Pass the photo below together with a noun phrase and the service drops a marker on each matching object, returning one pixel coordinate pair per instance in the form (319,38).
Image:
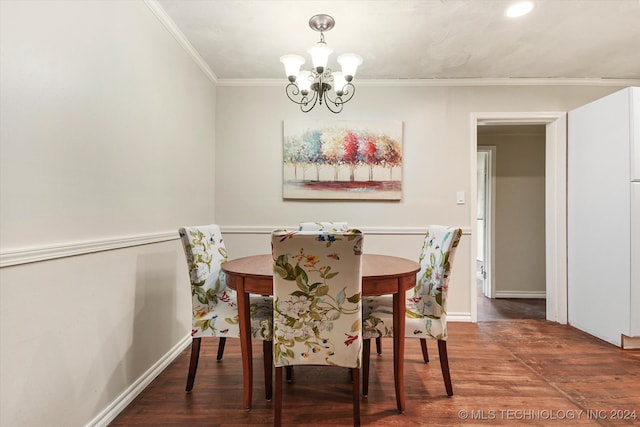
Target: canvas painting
(358,159)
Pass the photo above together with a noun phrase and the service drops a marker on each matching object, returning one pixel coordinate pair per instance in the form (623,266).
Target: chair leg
(267,356)
(366,359)
(289,372)
(425,352)
(379,345)
(356,397)
(193,364)
(444,365)
(221,343)
(277,404)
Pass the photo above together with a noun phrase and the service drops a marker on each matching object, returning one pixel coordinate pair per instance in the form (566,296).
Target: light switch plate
(460,197)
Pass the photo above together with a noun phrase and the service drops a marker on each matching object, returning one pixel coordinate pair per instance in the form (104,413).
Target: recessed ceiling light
(519,9)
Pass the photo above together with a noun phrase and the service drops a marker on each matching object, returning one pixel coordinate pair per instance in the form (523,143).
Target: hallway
(490,309)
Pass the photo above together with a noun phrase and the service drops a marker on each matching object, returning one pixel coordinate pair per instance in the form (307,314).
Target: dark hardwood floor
(507,308)
(510,308)
(507,372)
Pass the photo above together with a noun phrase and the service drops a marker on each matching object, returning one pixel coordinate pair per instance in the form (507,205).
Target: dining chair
(316,226)
(214,305)
(329,226)
(323,226)
(317,288)
(426,306)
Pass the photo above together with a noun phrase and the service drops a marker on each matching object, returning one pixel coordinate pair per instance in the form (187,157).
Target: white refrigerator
(603,218)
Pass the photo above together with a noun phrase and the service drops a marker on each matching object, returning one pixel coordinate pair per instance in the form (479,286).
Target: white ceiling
(418,39)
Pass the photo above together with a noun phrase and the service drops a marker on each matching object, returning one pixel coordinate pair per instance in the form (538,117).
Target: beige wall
(107,142)
(99,105)
(437,149)
(519,228)
(437,164)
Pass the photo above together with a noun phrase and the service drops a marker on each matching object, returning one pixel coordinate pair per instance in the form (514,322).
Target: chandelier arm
(292,90)
(305,107)
(333,105)
(347,92)
(337,104)
(305,103)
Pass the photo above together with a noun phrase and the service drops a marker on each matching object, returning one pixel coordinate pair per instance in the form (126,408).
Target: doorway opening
(553,231)
(510,211)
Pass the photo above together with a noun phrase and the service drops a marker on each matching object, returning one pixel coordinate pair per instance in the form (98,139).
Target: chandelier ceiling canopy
(310,87)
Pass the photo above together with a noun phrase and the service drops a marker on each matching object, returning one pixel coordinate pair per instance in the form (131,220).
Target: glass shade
(304,81)
(320,55)
(292,64)
(339,82)
(349,63)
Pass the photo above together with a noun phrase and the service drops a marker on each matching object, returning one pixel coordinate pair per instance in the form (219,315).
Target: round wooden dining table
(381,275)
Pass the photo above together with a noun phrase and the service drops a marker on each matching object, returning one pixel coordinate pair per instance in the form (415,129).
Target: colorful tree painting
(349,159)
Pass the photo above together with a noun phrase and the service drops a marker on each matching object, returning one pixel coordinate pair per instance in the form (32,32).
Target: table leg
(399,304)
(245,342)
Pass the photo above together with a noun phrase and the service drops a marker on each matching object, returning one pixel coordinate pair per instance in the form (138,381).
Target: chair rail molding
(43,253)
(28,255)
(381,231)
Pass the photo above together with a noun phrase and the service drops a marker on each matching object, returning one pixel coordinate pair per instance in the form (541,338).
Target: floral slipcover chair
(426,304)
(317,289)
(214,305)
(322,226)
(328,226)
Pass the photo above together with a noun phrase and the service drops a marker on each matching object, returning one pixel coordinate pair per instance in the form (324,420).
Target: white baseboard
(458,317)
(521,294)
(630,343)
(111,412)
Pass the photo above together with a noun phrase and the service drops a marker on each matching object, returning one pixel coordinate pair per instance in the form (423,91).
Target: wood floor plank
(512,372)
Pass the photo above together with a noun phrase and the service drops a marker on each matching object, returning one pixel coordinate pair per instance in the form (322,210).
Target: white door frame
(555,202)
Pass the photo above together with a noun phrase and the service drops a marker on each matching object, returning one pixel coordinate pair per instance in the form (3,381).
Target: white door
(599,217)
(484,221)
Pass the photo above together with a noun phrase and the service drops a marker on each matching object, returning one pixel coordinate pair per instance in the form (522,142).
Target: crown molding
(452,82)
(173,29)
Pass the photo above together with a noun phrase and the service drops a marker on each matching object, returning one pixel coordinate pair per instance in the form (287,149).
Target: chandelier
(308,87)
